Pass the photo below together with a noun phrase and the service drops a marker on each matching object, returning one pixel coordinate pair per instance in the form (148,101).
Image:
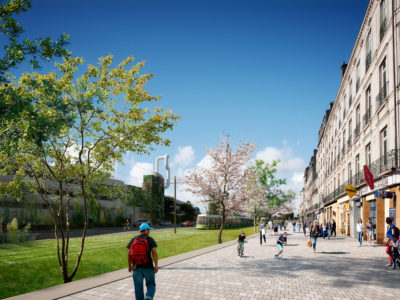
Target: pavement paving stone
(339,270)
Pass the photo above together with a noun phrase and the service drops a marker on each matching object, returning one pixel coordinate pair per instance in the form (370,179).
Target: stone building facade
(361,127)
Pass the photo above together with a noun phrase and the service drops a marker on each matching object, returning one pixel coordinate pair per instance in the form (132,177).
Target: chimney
(343,69)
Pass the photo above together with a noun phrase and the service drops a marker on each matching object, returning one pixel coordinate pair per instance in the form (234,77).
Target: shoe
(276,256)
(388,265)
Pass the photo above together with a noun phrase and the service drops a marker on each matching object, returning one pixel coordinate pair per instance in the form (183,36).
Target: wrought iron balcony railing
(349,141)
(367,116)
(382,95)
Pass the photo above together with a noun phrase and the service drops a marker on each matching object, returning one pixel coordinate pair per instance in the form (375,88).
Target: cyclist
(241,240)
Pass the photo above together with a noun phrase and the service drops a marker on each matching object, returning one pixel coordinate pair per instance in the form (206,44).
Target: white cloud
(184,157)
(288,163)
(137,172)
(205,162)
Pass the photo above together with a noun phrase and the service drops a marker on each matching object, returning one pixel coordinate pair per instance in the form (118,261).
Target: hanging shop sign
(369,178)
(350,190)
(383,194)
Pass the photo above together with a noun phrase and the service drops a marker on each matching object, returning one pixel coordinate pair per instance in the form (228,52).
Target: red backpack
(138,252)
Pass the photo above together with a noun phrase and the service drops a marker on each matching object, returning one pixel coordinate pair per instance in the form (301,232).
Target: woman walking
(360,229)
(323,230)
(369,231)
(314,232)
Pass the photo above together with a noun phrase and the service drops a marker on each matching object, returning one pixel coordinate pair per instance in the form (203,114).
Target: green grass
(33,266)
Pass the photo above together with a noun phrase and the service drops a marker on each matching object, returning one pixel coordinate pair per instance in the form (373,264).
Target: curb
(67,289)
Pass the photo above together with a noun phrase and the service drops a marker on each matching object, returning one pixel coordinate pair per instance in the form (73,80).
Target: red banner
(369,178)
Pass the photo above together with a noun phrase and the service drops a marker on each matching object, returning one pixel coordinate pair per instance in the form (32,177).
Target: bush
(14,235)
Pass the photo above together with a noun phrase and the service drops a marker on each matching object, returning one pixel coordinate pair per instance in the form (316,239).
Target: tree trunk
(222,224)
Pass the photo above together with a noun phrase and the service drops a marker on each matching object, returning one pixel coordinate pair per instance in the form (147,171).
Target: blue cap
(144,226)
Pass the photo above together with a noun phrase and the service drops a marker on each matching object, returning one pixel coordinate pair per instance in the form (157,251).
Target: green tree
(111,114)
(264,192)
(14,107)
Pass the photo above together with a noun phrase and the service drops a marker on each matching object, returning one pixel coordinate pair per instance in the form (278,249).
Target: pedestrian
(329,228)
(395,244)
(369,231)
(298,226)
(270,229)
(294,226)
(323,230)
(126,225)
(142,253)
(275,228)
(314,232)
(390,232)
(262,233)
(305,225)
(281,240)
(360,229)
(333,227)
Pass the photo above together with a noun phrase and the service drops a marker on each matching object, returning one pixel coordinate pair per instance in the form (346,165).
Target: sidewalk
(59,291)
(339,270)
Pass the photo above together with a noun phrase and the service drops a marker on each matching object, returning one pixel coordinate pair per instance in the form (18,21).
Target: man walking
(270,227)
(142,252)
(333,228)
(262,233)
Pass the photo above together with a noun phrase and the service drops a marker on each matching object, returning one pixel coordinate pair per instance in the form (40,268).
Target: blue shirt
(389,233)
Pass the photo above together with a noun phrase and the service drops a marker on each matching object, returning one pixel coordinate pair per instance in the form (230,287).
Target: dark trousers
(334,231)
(261,238)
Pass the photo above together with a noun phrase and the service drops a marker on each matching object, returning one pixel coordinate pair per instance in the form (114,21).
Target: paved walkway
(339,270)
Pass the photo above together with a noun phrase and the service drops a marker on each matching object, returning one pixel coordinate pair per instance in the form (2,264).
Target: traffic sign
(369,178)
(351,190)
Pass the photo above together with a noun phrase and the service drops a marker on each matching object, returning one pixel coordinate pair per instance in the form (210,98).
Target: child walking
(282,240)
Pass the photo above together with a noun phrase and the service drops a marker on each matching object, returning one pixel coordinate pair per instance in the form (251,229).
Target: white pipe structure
(165,158)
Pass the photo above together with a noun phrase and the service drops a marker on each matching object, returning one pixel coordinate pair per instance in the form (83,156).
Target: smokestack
(343,69)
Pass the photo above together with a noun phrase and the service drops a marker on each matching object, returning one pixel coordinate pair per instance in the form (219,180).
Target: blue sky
(262,71)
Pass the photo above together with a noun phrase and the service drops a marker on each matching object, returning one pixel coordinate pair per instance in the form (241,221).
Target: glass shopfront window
(372,215)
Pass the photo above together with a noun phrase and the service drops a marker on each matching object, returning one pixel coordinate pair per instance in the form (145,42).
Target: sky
(262,71)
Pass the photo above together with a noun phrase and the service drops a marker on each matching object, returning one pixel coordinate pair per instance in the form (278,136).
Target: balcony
(368,60)
(382,95)
(349,141)
(383,28)
(357,130)
(367,116)
(357,84)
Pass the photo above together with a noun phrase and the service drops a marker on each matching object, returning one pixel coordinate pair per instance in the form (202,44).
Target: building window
(350,92)
(384,146)
(383,19)
(368,57)
(368,155)
(357,162)
(357,129)
(383,84)
(349,140)
(367,115)
(349,174)
(358,75)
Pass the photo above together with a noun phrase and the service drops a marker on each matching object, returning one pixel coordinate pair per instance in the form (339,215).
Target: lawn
(32,266)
